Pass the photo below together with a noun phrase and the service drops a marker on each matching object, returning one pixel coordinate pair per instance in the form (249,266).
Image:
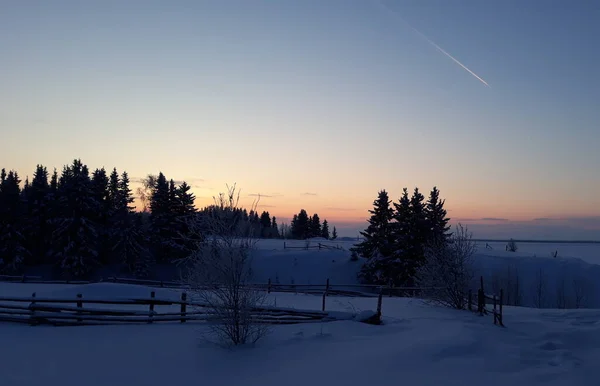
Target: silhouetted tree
(377,235)
(75,234)
(12,241)
(437,218)
(325,230)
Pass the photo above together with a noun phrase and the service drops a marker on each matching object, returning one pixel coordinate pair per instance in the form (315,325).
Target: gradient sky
(318,104)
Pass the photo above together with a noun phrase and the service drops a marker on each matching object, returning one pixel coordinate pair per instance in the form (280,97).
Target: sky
(319,104)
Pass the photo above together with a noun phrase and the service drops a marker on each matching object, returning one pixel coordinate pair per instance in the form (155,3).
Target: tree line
(397,236)
(304,227)
(79,220)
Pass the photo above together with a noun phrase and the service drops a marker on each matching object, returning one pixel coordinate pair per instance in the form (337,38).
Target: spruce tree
(377,245)
(334,234)
(265,225)
(410,234)
(38,231)
(300,225)
(325,230)
(160,218)
(129,239)
(101,195)
(437,218)
(377,234)
(75,233)
(274,228)
(113,190)
(12,241)
(315,226)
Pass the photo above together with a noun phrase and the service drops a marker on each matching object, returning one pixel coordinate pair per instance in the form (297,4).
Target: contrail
(392,12)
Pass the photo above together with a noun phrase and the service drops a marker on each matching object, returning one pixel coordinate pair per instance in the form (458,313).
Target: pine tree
(12,241)
(113,191)
(334,234)
(38,231)
(300,225)
(129,239)
(409,233)
(377,245)
(437,218)
(325,230)
(274,228)
(315,226)
(185,200)
(265,224)
(75,232)
(160,218)
(377,234)
(101,195)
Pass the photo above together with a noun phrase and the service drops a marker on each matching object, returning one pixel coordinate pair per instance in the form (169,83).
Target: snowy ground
(418,345)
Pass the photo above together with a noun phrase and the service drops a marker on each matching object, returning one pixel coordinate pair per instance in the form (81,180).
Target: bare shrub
(581,289)
(561,292)
(447,272)
(539,289)
(514,292)
(512,246)
(219,270)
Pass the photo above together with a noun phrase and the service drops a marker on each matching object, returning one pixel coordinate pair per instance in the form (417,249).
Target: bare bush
(581,289)
(447,272)
(218,273)
(514,292)
(512,246)
(561,292)
(539,289)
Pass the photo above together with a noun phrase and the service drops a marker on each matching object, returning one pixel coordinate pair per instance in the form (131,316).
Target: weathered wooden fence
(71,311)
(484,299)
(308,246)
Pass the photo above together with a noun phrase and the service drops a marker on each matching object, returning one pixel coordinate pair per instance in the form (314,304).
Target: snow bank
(559,277)
(418,345)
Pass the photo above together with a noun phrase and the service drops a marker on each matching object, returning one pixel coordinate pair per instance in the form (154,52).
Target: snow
(418,344)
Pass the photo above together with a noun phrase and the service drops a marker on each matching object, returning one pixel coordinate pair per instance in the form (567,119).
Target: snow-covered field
(418,345)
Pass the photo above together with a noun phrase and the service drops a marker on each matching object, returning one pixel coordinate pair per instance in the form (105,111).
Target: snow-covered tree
(447,272)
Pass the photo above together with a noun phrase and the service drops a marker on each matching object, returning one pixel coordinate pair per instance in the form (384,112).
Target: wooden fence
(308,246)
(483,300)
(71,312)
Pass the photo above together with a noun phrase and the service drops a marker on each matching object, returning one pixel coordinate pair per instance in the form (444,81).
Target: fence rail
(71,311)
(308,246)
(483,300)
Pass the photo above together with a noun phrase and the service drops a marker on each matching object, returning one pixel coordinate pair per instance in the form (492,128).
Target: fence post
(23,279)
(501,301)
(480,302)
(269,286)
(284,245)
(183,307)
(327,287)
(31,306)
(79,305)
(324,295)
(152,296)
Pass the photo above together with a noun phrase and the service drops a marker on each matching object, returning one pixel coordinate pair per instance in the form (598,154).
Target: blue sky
(334,98)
